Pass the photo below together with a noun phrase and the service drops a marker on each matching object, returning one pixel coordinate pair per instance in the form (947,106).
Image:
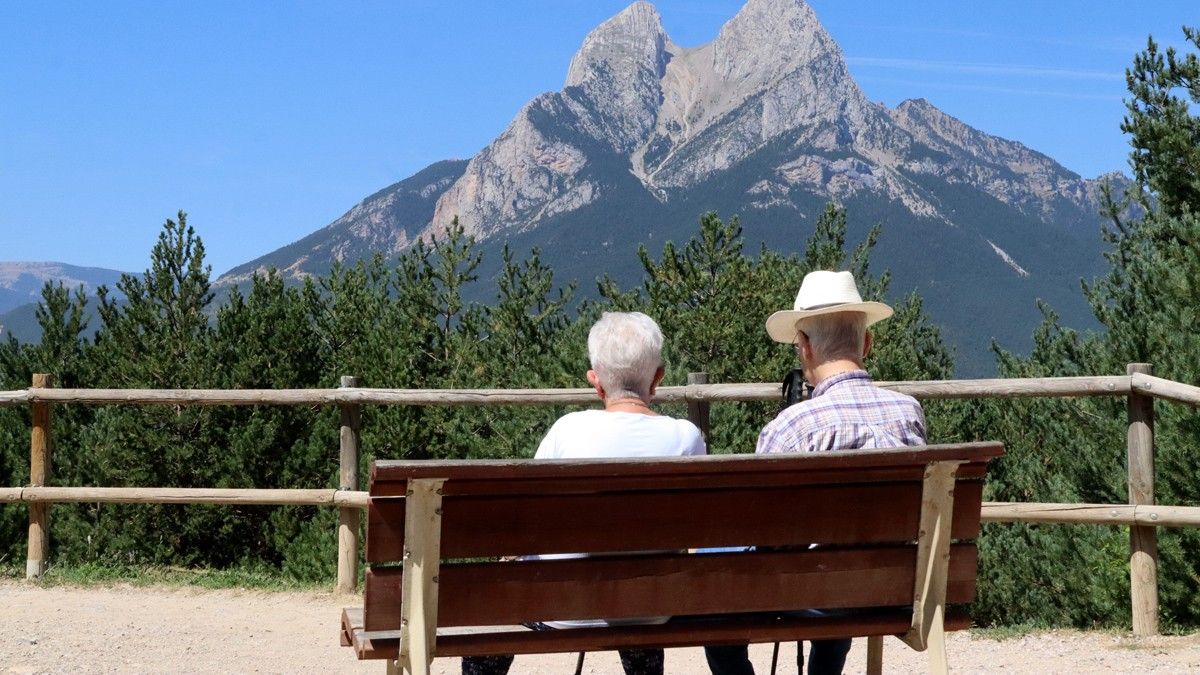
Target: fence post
(347,566)
(1143,541)
(40,458)
(698,410)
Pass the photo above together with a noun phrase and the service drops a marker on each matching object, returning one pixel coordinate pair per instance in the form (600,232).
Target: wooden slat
(384,471)
(1099,514)
(139,495)
(1022,387)
(737,391)
(685,633)
(682,480)
(668,584)
(1161,388)
(674,519)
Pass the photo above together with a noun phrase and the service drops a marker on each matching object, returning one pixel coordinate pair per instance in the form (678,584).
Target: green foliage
(1071,450)
(401,324)
(711,300)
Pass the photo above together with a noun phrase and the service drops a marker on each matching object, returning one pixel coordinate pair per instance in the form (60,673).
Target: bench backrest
(863,507)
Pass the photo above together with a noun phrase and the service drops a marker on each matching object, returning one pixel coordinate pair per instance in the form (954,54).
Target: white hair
(625,349)
(840,335)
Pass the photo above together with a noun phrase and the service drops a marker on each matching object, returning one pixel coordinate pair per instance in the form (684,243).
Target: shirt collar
(834,380)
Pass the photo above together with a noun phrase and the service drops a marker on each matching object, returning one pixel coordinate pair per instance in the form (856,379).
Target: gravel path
(124,629)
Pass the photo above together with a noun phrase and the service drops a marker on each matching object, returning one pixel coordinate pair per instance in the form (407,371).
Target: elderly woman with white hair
(625,350)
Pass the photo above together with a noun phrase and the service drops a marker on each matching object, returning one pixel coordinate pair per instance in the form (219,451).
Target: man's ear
(658,376)
(806,350)
(594,380)
(868,342)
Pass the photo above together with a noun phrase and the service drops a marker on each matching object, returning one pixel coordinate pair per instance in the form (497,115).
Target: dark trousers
(827,657)
(634,661)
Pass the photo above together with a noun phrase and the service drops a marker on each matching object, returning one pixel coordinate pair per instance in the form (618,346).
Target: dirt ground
(125,629)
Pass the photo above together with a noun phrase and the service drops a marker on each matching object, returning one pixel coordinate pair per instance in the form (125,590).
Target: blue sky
(267,120)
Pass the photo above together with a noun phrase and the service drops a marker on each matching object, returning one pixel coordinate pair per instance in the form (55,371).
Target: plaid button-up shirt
(846,412)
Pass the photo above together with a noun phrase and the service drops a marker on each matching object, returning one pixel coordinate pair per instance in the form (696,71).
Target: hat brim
(781,326)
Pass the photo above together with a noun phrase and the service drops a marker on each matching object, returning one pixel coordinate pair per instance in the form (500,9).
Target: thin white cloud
(984,68)
(989,88)
(1125,44)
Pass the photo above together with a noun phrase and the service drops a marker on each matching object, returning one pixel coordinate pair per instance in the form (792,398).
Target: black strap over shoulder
(795,389)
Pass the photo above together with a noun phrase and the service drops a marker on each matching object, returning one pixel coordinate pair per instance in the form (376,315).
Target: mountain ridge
(21,282)
(765,122)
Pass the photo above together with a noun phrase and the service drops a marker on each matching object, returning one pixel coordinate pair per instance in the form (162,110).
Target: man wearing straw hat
(828,327)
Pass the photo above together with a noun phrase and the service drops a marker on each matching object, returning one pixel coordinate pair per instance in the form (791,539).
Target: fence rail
(1138,386)
(746,391)
(160,495)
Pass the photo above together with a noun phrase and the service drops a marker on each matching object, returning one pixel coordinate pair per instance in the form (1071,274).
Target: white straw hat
(823,293)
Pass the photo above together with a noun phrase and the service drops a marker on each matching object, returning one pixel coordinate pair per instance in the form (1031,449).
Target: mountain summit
(764,122)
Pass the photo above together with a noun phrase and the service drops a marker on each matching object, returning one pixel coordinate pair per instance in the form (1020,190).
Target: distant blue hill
(21,289)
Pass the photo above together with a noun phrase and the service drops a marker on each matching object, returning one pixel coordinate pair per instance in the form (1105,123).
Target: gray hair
(625,349)
(840,335)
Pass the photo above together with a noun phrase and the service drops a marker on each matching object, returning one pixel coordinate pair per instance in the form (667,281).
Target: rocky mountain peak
(618,48)
(765,121)
(613,84)
(768,38)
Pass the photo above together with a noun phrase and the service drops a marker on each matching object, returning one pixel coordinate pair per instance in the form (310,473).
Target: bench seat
(684,633)
(894,532)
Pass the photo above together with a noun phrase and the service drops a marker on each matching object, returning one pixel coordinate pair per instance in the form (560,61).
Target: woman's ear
(868,342)
(594,380)
(658,376)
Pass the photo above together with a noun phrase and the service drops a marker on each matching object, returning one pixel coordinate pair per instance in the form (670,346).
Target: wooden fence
(1138,386)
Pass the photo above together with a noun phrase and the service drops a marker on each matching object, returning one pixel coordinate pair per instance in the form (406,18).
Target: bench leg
(936,644)
(875,655)
(422,557)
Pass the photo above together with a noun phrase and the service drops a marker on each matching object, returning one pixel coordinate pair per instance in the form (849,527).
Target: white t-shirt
(592,434)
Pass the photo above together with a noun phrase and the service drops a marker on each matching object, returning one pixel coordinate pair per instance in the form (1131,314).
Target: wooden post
(419,590)
(1143,540)
(347,565)
(875,655)
(698,410)
(40,462)
(933,563)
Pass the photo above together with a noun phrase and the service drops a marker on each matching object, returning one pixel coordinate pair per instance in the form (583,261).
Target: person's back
(828,327)
(846,412)
(625,350)
(598,433)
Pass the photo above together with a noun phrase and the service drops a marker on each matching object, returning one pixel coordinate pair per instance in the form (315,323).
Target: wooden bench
(895,529)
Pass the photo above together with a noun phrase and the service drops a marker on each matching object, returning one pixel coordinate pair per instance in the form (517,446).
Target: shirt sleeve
(548,448)
(922,428)
(774,438)
(698,446)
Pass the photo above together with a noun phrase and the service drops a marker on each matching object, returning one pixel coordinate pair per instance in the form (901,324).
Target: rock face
(766,122)
(385,222)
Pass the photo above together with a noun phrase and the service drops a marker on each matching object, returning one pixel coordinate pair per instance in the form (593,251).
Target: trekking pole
(774,658)
(579,664)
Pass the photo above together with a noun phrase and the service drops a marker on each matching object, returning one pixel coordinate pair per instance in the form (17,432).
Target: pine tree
(158,336)
(63,353)
(1069,450)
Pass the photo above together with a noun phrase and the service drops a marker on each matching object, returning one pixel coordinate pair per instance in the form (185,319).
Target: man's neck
(830,368)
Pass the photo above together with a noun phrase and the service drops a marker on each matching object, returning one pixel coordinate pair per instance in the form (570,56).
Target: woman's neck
(628,405)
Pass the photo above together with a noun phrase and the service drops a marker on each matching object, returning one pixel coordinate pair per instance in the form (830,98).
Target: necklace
(634,402)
